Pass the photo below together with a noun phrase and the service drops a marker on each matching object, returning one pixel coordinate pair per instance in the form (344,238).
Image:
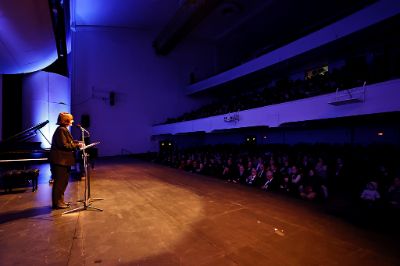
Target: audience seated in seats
(182,164)
(261,174)
(384,177)
(239,162)
(260,163)
(188,166)
(339,167)
(249,167)
(393,193)
(270,182)
(252,178)
(198,167)
(370,193)
(285,183)
(310,186)
(295,180)
(306,164)
(349,176)
(285,168)
(276,174)
(195,166)
(240,176)
(209,167)
(228,171)
(321,169)
(340,176)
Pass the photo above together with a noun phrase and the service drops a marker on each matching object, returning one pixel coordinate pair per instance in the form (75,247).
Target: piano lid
(17,147)
(26,134)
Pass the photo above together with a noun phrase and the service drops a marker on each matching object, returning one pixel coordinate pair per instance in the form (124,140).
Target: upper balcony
(370,99)
(371,15)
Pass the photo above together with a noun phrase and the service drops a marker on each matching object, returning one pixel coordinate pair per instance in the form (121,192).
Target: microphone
(83,129)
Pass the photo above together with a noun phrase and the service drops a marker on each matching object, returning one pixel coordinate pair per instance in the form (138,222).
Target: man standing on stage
(62,157)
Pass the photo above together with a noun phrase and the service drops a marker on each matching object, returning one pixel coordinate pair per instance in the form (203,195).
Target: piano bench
(12,177)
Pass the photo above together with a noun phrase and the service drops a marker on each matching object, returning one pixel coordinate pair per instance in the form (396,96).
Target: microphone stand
(87,200)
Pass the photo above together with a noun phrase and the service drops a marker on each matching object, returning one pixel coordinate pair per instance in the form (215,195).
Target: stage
(155,215)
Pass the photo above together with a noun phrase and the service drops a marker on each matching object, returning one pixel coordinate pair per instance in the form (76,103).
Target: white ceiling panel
(27,40)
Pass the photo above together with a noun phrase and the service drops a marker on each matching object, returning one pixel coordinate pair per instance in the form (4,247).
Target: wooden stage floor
(155,215)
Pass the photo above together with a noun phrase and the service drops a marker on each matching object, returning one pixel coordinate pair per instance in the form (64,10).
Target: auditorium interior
(216,132)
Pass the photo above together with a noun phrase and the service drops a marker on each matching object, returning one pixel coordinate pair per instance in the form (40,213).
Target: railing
(348,96)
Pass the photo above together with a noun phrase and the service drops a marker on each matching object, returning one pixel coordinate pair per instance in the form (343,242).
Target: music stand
(87,200)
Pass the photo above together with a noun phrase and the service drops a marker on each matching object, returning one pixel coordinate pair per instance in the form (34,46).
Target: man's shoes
(61,206)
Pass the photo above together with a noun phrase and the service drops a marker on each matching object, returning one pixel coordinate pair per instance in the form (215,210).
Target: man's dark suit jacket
(62,147)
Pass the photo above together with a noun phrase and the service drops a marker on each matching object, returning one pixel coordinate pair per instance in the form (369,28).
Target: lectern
(87,200)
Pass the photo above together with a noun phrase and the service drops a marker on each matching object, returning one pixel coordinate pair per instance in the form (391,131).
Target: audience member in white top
(370,193)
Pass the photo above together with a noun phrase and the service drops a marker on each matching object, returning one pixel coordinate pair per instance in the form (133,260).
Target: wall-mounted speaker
(85,121)
(112,98)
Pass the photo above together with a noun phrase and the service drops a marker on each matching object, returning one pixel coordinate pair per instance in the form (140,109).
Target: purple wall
(148,88)
(1,107)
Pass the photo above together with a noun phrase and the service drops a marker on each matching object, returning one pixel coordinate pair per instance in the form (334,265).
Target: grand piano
(18,154)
